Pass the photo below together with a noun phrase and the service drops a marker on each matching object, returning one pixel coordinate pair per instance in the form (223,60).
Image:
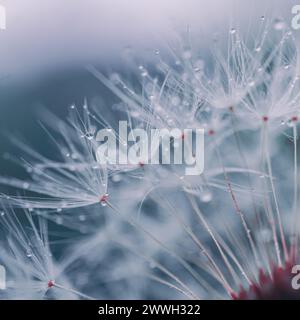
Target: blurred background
(47,44)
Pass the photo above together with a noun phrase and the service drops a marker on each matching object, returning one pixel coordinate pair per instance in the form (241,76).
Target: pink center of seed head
(274,286)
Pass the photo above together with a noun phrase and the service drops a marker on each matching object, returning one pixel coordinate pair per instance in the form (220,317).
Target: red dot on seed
(211,132)
(294,118)
(104,198)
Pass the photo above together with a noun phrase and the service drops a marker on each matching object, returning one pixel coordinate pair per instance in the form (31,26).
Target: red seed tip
(182,136)
(234,296)
(50,284)
(231,108)
(141,164)
(294,119)
(104,198)
(211,132)
(265,118)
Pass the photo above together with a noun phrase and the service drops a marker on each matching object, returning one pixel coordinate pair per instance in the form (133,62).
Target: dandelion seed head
(231,232)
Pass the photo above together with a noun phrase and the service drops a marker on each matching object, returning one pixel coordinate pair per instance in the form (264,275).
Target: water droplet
(29,253)
(89,136)
(187,54)
(144,73)
(115,78)
(135,114)
(170,122)
(206,196)
(2,213)
(103,203)
(279,24)
(232,31)
(82,217)
(26,185)
(104,199)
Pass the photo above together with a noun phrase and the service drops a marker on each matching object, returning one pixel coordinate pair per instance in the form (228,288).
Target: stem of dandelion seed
(82,295)
(295,203)
(270,173)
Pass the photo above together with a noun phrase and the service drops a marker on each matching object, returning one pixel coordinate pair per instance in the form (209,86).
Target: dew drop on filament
(89,136)
(257,49)
(29,253)
(25,185)
(206,196)
(279,24)
(82,217)
(187,54)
